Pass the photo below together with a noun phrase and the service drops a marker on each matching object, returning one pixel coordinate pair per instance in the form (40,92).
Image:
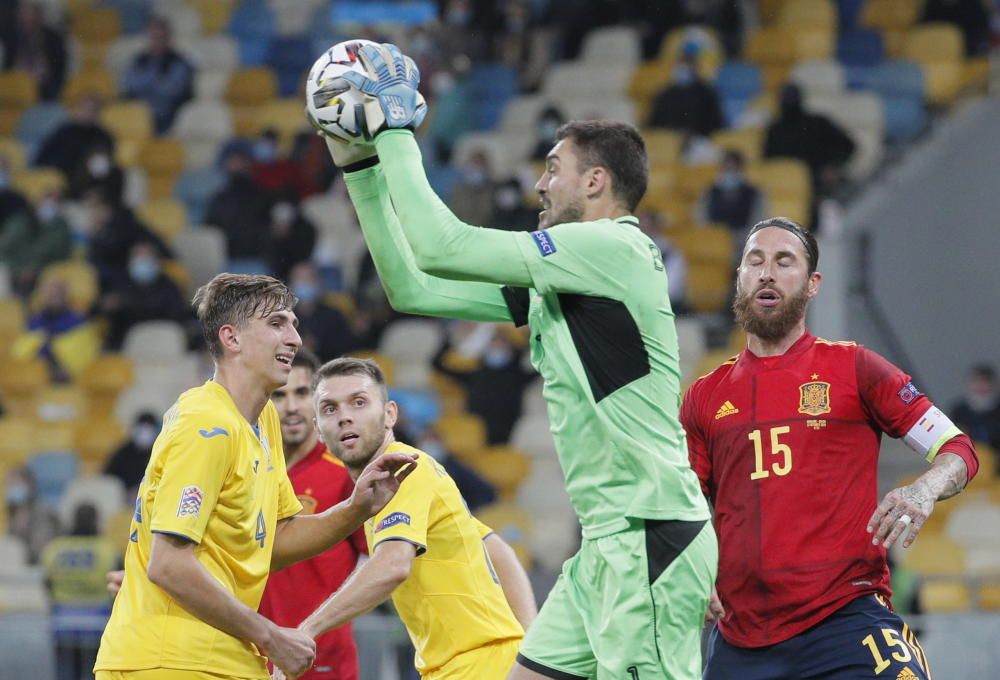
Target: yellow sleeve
(197,455)
(405,518)
(483,530)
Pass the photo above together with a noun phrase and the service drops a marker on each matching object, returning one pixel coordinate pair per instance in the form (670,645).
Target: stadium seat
(201,126)
(502,466)
(513,525)
(254,26)
(820,76)
(645,82)
(202,251)
(934,555)
(737,84)
(18,90)
(450,393)
(154,341)
(15,554)
(710,51)
(38,122)
(122,52)
(504,150)
(938,48)
(532,435)
(11,322)
(162,160)
(103,380)
(81,281)
(705,245)
(989,596)
(809,14)
(899,78)
(944,596)
(60,402)
(291,58)
(106,493)
(285,117)
(462,434)
(95,440)
(694,180)
(248,90)
(862,116)
(21,381)
(166,217)
(131,124)
(53,472)
(215,52)
(782,177)
(748,141)
(774,49)
(491,86)
(611,44)
(13,152)
(709,285)
(133,14)
(17,439)
(53,437)
(93,81)
(214,15)
(98,25)
(663,147)
(413,341)
(860,48)
(34,184)
(185,21)
(890,15)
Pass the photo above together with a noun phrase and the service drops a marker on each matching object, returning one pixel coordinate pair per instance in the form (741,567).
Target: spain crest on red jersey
(814,398)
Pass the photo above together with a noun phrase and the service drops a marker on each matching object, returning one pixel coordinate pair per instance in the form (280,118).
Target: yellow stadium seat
(178,273)
(461,433)
(989,596)
(162,160)
(663,147)
(705,245)
(252,87)
(451,394)
(12,151)
(285,116)
(387,365)
(18,90)
(505,467)
(772,46)
(95,440)
(342,302)
(17,439)
(748,141)
(975,73)
(939,49)
(647,80)
(938,597)
(782,177)
(11,323)
(95,81)
(37,183)
(793,207)
(890,15)
(81,281)
(694,180)
(21,381)
(103,380)
(814,43)
(809,14)
(710,53)
(60,402)
(709,285)
(513,525)
(213,13)
(97,25)
(770,10)
(934,555)
(128,120)
(166,217)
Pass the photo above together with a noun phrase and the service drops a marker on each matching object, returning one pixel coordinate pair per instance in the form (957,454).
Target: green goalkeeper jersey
(602,331)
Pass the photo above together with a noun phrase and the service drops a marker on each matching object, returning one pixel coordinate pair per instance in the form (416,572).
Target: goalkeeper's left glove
(392,83)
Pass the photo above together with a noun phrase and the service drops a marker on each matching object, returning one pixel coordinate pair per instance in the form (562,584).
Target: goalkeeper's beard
(773,323)
(573,212)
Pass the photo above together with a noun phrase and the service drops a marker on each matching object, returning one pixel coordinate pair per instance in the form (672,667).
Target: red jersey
(320,481)
(787,449)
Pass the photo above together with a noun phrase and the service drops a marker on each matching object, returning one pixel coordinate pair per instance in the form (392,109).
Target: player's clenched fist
(290,650)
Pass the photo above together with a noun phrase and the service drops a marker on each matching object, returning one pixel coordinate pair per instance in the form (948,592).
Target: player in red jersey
(320,481)
(785,439)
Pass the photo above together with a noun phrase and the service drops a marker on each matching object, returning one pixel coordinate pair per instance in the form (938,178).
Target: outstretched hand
(380,480)
(392,80)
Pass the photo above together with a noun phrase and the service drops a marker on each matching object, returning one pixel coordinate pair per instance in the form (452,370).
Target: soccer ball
(337,107)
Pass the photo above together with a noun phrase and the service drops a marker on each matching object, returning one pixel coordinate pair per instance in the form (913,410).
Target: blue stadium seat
(196,187)
(848,11)
(860,48)
(134,14)
(443,179)
(413,13)
(859,77)
(291,58)
(899,78)
(492,85)
(253,25)
(420,406)
(37,123)
(53,472)
(905,118)
(737,84)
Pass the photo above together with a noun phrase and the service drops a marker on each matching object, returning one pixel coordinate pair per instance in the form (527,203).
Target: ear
(813,286)
(596,182)
(391,414)
(229,338)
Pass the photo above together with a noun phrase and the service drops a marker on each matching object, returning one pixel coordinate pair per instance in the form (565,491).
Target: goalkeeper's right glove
(348,157)
(391,83)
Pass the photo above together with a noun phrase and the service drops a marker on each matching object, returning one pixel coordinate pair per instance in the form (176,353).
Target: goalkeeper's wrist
(363,164)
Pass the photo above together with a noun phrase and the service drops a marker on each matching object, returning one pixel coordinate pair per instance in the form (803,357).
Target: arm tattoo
(947,476)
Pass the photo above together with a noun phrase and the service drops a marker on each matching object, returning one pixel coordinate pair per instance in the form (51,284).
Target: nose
(294,339)
(542,185)
(766,273)
(344,419)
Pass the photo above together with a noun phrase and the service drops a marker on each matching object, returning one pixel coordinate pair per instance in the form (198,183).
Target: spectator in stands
(970,16)
(725,16)
(276,174)
(28,518)
(11,200)
(548,122)
(75,568)
(240,209)
(476,491)
(689,104)
(128,462)
(291,237)
(38,49)
(490,366)
(809,137)
(113,230)
(324,329)
(978,411)
(509,211)
(731,200)
(160,76)
(472,195)
(32,239)
(147,295)
(451,89)
(98,171)
(674,262)
(56,323)
(68,145)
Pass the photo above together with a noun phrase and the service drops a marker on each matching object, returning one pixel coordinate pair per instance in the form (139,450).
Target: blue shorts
(864,639)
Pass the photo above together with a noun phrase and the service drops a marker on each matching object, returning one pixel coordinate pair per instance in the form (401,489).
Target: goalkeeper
(631,603)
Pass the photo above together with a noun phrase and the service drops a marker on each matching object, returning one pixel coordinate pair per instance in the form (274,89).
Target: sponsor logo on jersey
(190,505)
(134,536)
(814,398)
(544,242)
(909,392)
(392,520)
(907,674)
(214,432)
(726,409)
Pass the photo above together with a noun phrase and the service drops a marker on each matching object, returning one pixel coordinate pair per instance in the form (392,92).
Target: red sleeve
(890,398)
(697,450)
(963,447)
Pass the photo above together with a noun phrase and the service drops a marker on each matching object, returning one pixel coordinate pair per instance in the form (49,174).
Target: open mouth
(767,297)
(348,438)
(285,359)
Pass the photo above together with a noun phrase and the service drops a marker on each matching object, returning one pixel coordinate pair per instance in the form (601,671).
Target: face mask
(283,213)
(144,435)
(441,83)
(143,269)
(265,152)
(305,292)
(420,44)
(17,494)
(99,165)
(475,176)
(683,75)
(979,403)
(457,16)
(496,358)
(730,179)
(508,198)
(547,130)
(4,180)
(48,210)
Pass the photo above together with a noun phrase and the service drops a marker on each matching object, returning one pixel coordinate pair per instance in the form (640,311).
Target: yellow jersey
(452,602)
(217,480)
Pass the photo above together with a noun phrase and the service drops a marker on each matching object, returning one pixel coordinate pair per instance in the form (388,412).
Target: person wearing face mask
(28,518)
(688,104)
(148,295)
(978,411)
(324,329)
(731,200)
(509,211)
(68,145)
(472,195)
(276,173)
(98,170)
(128,462)
(291,238)
(451,91)
(548,122)
(32,239)
(240,209)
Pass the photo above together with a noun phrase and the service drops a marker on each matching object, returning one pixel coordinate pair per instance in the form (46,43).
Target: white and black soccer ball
(337,107)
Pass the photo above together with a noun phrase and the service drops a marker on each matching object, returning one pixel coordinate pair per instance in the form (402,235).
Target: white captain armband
(930,432)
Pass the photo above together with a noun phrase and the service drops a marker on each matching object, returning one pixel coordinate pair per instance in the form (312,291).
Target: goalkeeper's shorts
(629,606)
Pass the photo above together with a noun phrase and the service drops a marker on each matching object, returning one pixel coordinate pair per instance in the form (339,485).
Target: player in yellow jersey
(214,513)
(459,589)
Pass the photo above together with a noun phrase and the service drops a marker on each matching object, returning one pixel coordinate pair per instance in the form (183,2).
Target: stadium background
(907,237)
